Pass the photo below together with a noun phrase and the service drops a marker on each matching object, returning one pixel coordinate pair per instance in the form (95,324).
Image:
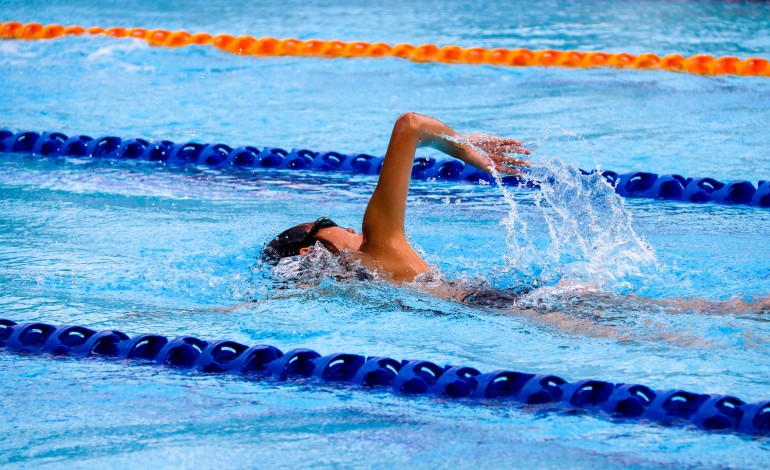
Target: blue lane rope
(222,156)
(409,377)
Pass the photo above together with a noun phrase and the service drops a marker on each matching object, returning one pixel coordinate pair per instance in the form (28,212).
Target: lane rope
(700,64)
(621,401)
(225,157)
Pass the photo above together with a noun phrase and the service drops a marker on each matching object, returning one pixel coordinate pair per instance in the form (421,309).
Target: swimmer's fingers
(513,161)
(495,163)
(520,150)
(506,170)
(494,144)
(494,140)
(510,148)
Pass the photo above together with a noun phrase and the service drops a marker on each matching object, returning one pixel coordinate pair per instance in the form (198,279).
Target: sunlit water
(152,249)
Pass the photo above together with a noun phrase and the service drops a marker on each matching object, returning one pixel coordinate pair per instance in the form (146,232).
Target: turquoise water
(145,249)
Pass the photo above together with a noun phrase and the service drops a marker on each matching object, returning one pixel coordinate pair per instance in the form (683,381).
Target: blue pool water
(145,249)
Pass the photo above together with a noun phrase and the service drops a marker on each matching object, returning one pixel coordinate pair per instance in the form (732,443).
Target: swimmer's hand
(481,151)
(487,151)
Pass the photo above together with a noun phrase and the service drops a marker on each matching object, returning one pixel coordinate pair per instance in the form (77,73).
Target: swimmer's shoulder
(399,263)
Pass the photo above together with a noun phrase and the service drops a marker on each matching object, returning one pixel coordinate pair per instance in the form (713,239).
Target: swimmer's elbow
(408,122)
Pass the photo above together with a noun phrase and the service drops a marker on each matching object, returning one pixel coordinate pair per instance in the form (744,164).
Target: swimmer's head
(298,239)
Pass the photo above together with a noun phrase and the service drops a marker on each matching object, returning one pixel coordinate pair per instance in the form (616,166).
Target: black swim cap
(289,242)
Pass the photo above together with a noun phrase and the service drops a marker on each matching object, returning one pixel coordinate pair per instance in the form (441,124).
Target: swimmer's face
(341,238)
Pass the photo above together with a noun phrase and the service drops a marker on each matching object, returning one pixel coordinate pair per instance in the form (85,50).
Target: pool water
(141,248)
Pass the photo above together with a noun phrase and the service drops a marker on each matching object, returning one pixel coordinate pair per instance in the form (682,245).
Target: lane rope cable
(700,64)
(622,401)
(225,157)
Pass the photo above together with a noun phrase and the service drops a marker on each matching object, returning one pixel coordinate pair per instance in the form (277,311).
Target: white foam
(119,48)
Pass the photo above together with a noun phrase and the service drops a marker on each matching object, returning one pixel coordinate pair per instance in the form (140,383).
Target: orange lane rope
(268,46)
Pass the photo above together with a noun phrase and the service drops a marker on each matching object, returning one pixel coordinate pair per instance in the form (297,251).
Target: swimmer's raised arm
(383,223)
(382,246)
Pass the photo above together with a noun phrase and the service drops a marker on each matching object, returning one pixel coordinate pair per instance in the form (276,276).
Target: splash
(590,243)
(319,264)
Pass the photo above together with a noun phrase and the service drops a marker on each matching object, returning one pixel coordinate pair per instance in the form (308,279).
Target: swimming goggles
(323,222)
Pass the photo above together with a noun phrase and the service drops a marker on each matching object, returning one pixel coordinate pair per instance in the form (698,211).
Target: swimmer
(381,246)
